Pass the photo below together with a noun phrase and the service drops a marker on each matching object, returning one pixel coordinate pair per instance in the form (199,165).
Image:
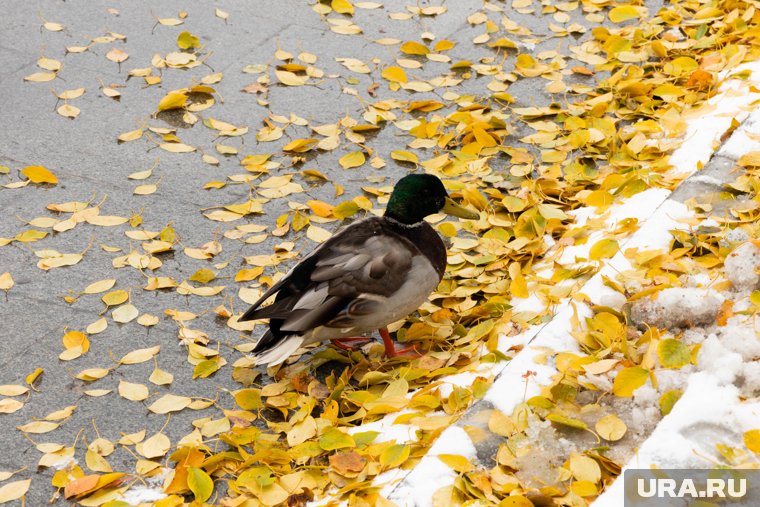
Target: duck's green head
(418,195)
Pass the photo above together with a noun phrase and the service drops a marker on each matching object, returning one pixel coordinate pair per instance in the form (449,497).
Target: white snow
(742,265)
(431,473)
(746,138)
(401,433)
(706,125)
(704,178)
(151,491)
(508,390)
(143,494)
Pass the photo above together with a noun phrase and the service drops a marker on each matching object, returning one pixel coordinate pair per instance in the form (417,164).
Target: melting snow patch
(741,266)
(677,308)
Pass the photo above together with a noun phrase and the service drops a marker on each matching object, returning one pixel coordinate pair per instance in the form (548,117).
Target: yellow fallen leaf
(354,65)
(96,393)
(611,428)
(585,468)
(628,380)
(210,160)
(9,406)
(132,391)
(68,111)
(59,261)
(200,484)
(71,94)
(154,447)
(140,355)
(52,27)
(98,326)
(300,145)
(13,390)
(752,440)
(673,354)
(351,160)
(38,427)
(117,55)
(184,288)
(100,286)
(6,281)
(750,159)
(414,48)
(394,455)
(404,156)
(32,377)
(61,414)
(40,77)
(623,13)
(603,249)
(147,320)
(290,78)
(145,189)
(317,234)
(161,377)
(92,374)
(342,6)
(74,339)
(30,236)
(224,149)
(169,403)
(111,93)
(457,462)
(71,354)
(186,40)
(173,100)
(39,174)
(169,21)
(125,313)
(394,74)
(116,297)
(177,147)
(96,462)
(14,490)
(130,136)
(343,26)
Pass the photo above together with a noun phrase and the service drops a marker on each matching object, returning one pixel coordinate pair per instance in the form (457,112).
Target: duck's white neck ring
(402,224)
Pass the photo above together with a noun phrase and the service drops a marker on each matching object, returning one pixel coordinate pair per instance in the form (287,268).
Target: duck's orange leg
(390,348)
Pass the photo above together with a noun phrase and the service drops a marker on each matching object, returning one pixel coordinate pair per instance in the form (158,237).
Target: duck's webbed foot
(392,351)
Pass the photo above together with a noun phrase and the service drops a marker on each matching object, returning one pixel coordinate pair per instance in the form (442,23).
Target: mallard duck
(369,274)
